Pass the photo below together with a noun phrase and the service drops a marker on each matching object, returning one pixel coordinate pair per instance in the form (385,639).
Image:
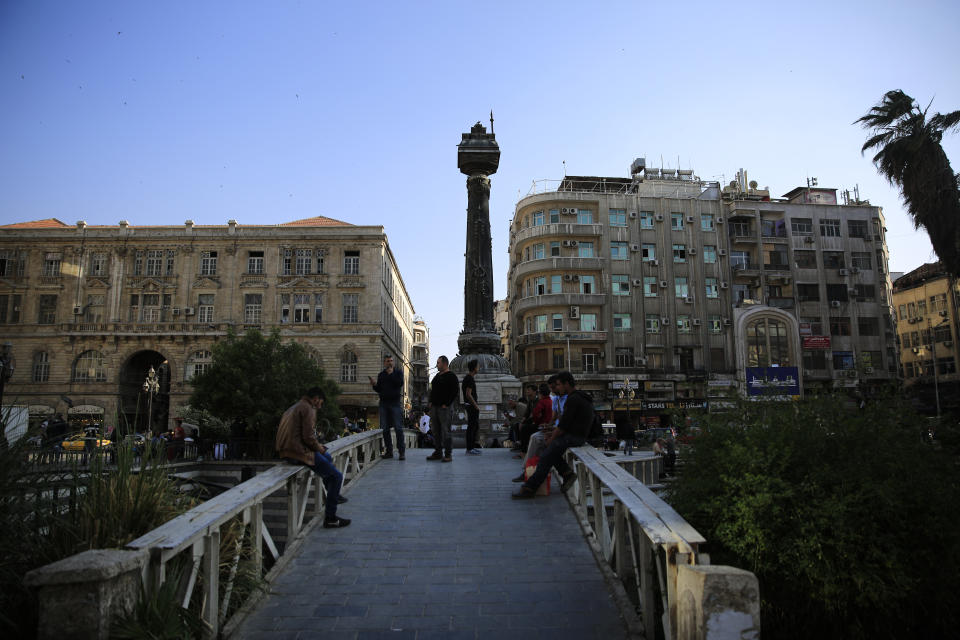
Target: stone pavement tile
(360,623)
(385,635)
(327,635)
(456,634)
(291,623)
(336,611)
(428,622)
(267,635)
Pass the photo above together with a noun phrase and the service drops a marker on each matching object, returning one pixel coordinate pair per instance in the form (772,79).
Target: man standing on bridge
(389,386)
(444,389)
(297,443)
(572,431)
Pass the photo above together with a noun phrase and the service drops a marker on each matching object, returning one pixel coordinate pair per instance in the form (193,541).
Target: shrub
(847,516)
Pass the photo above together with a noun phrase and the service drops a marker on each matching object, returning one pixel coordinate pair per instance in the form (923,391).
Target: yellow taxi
(78,442)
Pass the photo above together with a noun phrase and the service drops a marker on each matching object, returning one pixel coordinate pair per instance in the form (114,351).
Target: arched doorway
(141,410)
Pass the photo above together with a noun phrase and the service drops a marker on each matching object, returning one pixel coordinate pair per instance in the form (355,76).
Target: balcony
(137,328)
(745,269)
(780,238)
(559,300)
(780,302)
(565,265)
(743,238)
(566,230)
(555,337)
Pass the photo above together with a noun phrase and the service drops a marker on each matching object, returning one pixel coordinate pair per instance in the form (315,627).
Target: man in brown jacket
(297,443)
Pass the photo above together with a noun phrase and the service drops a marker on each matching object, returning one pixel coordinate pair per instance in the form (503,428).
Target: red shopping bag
(544,489)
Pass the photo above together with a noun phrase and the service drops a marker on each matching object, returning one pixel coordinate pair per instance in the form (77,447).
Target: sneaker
(341,499)
(568,481)
(519,478)
(524,493)
(447,459)
(335,523)
(387,456)
(436,455)
(403,457)
(473,452)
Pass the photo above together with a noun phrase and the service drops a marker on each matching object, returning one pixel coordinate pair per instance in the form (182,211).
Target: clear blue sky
(267,112)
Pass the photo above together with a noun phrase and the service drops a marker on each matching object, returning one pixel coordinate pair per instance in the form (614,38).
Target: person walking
(296,442)
(626,433)
(389,386)
(444,389)
(572,431)
(469,388)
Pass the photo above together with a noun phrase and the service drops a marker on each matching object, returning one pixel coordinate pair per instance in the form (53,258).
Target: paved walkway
(439,550)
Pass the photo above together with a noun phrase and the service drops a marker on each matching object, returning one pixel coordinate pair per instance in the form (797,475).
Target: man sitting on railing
(297,443)
(572,431)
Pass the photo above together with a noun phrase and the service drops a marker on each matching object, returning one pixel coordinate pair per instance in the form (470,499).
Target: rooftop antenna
(491,121)
(564,168)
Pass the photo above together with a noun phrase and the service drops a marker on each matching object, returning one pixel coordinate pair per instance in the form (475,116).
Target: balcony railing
(561,336)
(566,230)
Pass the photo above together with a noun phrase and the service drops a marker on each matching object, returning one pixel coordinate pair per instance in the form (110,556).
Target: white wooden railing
(643,540)
(195,535)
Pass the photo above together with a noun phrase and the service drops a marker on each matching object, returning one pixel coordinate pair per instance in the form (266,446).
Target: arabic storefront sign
(773,381)
(658,385)
(816,342)
(657,405)
(806,329)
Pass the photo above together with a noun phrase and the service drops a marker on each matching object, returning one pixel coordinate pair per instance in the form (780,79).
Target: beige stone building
(926,302)
(90,309)
(420,385)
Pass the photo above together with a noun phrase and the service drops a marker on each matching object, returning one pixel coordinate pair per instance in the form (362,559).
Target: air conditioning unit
(567,277)
(719,219)
(574,312)
(722,252)
(653,262)
(576,277)
(844,272)
(638,282)
(688,300)
(835,304)
(696,322)
(175,311)
(188,311)
(665,320)
(574,243)
(567,210)
(633,215)
(659,217)
(640,361)
(809,240)
(724,285)
(78,310)
(726,322)
(692,251)
(663,284)
(852,291)
(868,369)
(948,343)
(689,218)
(854,269)
(634,247)
(851,373)
(566,243)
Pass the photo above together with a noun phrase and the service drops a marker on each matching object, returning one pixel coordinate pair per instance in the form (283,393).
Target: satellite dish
(753,184)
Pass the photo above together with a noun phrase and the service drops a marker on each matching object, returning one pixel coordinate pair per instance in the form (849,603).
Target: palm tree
(909,155)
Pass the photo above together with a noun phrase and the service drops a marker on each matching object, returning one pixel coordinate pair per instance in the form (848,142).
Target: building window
(584,216)
(93,311)
(843,360)
(680,287)
(255,262)
(12,263)
(556,284)
(741,229)
(540,323)
(652,323)
(620,284)
(868,292)
(868,326)
(205,307)
(154,263)
(944,365)
(861,260)
(208,263)
(586,284)
(348,366)
(538,251)
(540,285)
(837,292)
(558,359)
(839,326)
(10,308)
(618,217)
(833,260)
(815,359)
(713,291)
(801,226)
(585,249)
(51,264)
(537,218)
(739,260)
(588,322)
(304,262)
(554,216)
(558,322)
(709,254)
(589,362)
(816,324)
(649,286)
(679,253)
(767,343)
(351,263)
(252,308)
(648,252)
(829,228)
(621,322)
(555,249)
(198,363)
(938,302)
(47,309)
(706,222)
(624,357)
(301,308)
(89,367)
(676,222)
(41,367)
(808,292)
(857,228)
(619,251)
(98,264)
(170,261)
(150,311)
(683,324)
(715,325)
(805,259)
(351,308)
(646,219)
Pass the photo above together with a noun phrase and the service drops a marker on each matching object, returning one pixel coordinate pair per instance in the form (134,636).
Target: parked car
(78,442)
(650,435)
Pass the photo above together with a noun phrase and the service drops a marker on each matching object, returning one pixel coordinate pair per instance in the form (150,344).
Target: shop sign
(658,385)
(692,404)
(773,381)
(806,329)
(655,404)
(816,342)
(721,383)
(618,384)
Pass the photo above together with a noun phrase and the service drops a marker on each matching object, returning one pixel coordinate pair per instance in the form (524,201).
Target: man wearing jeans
(389,386)
(444,389)
(297,442)
(469,387)
(572,431)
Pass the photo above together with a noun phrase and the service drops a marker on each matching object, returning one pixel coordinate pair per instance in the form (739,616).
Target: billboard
(773,381)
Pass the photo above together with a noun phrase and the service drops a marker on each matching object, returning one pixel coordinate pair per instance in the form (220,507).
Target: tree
(258,377)
(910,157)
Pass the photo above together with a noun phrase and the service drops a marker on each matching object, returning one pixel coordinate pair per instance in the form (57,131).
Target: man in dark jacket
(389,386)
(572,431)
(444,389)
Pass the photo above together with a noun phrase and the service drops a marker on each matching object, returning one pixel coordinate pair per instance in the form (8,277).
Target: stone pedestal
(717,602)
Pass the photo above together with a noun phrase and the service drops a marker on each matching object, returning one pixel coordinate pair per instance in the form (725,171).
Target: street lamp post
(151,386)
(627,392)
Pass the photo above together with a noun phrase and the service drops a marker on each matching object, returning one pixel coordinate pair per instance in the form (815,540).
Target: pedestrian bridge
(434,550)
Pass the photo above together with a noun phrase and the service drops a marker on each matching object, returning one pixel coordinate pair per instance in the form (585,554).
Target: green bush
(848,518)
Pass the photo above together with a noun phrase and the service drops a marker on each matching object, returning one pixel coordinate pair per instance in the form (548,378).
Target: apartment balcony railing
(566,230)
(553,337)
(554,264)
(559,299)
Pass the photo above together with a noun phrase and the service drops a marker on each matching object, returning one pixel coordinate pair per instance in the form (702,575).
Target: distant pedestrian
(444,389)
(389,386)
(297,442)
(469,387)
(238,434)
